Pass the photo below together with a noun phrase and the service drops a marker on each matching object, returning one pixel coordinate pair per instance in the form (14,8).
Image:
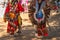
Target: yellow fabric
(19,20)
(5,20)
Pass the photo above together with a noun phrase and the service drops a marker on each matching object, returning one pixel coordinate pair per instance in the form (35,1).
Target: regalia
(12,15)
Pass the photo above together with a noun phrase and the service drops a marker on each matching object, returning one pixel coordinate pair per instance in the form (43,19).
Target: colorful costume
(11,15)
(39,18)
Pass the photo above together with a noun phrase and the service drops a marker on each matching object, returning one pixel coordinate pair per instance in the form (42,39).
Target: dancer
(12,14)
(38,13)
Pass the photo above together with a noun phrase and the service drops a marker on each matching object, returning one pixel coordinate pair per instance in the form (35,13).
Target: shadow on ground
(30,34)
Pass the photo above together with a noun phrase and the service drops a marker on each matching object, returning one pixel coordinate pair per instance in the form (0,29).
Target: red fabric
(19,8)
(45,34)
(39,19)
(55,7)
(10,28)
(39,29)
(7,9)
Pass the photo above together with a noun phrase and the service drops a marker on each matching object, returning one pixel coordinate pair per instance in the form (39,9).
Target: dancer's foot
(11,34)
(18,31)
(38,36)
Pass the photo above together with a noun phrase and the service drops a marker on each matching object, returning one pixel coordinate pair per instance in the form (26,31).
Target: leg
(44,29)
(8,28)
(19,24)
(12,30)
(19,29)
(39,31)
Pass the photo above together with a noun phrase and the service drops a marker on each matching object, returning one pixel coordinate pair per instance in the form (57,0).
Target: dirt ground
(28,31)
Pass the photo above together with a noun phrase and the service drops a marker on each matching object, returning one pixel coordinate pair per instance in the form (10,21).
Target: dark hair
(13,2)
(43,0)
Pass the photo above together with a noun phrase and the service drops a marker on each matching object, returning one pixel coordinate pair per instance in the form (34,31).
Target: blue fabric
(39,15)
(42,5)
(57,3)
